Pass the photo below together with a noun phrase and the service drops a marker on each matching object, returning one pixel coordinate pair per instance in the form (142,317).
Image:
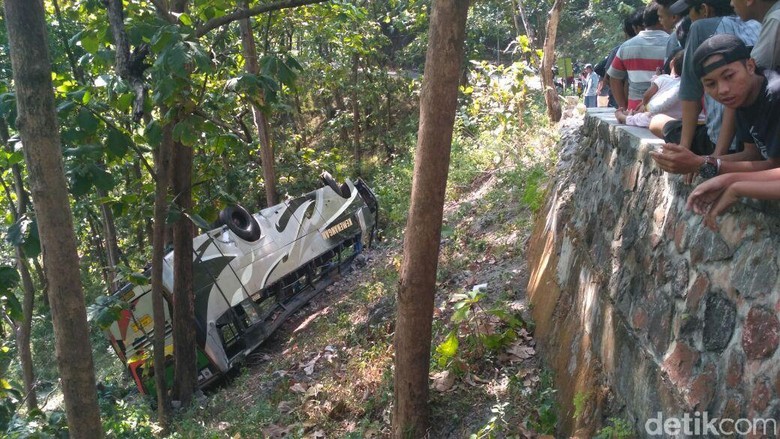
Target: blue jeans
(591,101)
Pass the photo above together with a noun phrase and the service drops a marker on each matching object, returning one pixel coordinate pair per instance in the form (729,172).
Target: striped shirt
(637,59)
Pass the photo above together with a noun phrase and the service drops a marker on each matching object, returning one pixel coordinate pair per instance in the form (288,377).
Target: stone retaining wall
(641,309)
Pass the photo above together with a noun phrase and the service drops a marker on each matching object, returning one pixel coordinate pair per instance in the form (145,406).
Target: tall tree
(438,102)
(258,117)
(37,124)
(23,327)
(548,59)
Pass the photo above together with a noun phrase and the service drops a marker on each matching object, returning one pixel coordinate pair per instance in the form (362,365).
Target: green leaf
(89,43)
(198,221)
(460,314)
(176,58)
(24,234)
(65,107)
(101,178)
(117,143)
(80,184)
(105,311)
(12,307)
(9,278)
(124,101)
(185,19)
(511,320)
(87,121)
(153,133)
(448,348)
(185,132)
(209,214)
(85,150)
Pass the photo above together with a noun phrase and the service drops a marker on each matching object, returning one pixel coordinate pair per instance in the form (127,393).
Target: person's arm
(651,91)
(618,92)
(690,118)
(728,128)
(677,159)
(714,196)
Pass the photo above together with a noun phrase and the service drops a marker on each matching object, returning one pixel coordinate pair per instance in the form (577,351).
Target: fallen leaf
(313,391)
(520,352)
(308,368)
(338,411)
(285,407)
(318,434)
(274,431)
(298,388)
(443,381)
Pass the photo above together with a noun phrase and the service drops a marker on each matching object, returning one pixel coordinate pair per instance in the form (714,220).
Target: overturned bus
(249,275)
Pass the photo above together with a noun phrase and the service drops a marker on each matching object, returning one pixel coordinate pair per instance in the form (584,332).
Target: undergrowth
(328,372)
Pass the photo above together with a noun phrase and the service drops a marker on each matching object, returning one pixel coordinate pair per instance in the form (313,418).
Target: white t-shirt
(666,100)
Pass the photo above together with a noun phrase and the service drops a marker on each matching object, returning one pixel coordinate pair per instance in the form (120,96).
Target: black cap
(729,46)
(680,7)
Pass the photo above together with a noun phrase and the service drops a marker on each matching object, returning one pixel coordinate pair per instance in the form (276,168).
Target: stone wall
(639,308)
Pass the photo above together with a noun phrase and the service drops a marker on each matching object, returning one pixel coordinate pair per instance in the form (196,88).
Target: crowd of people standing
(702,75)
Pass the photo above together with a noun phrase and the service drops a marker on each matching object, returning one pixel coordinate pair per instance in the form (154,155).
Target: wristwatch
(709,168)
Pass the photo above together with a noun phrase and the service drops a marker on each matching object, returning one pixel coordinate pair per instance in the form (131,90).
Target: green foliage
(580,399)
(24,233)
(618,428)
(105,310)
(495,424)
(124,418)
(10,393)
(546,406)
(477,330)
(534,188)
(38,425)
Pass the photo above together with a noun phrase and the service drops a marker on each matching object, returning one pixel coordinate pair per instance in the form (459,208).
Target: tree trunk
(162,162)
(548,59)
(184,352)
(356,111)
(24,329)
(258,117)
(109,234)
(529,30)
(37,123)
(438,102)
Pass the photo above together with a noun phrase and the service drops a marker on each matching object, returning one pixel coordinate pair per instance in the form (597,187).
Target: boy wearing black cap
(710,17)
(730,76)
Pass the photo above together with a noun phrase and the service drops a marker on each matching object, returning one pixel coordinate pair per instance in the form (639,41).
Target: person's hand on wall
(711,198)
(676,159)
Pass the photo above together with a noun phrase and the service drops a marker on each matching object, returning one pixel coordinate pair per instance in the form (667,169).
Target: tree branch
(223,125)
(251,12)
(129,66)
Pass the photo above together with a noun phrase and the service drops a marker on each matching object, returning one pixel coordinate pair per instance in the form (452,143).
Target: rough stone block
(702,390)
(761,333)
(692,299)
(761,395)
(709,246)
(735,370)
(679,363)
(681,236)
(755,270)
(719,320)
